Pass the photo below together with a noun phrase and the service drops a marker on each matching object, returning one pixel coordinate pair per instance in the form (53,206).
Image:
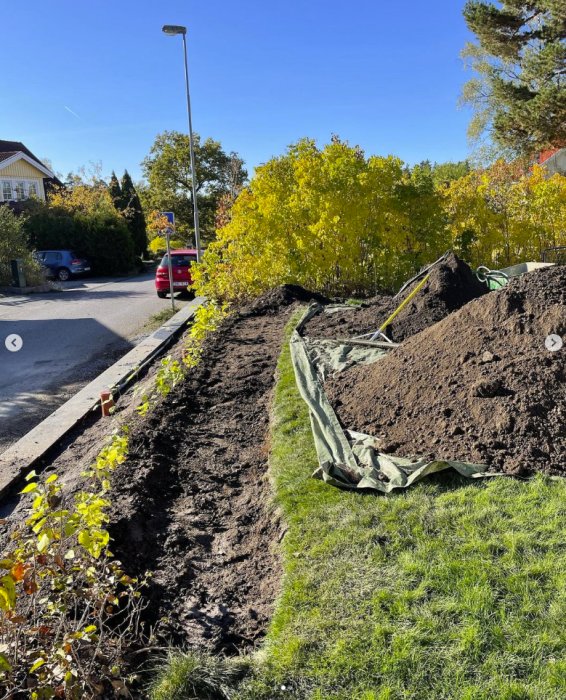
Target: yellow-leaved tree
(327,218)
(504,215)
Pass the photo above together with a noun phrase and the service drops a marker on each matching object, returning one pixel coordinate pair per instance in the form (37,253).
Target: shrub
(158,245)
(13,244)
(98,233)
(69,615)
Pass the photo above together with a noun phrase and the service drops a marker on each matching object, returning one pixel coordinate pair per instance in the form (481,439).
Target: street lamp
(173,30)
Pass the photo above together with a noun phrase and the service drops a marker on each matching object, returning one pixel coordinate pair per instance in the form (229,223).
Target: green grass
(158,319)
(196,676)
(452,589)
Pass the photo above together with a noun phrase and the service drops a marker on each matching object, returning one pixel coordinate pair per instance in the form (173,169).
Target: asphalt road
(69,337)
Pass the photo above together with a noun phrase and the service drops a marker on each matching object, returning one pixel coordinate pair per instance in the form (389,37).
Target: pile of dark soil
(191,501)
(450,285)
(478,386)
(279,297)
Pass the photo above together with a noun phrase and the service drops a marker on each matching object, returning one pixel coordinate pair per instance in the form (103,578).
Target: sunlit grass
(452,589)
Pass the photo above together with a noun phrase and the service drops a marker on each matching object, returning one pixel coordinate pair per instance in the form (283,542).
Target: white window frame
(16,181)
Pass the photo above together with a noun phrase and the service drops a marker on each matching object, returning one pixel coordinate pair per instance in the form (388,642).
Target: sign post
(170,216)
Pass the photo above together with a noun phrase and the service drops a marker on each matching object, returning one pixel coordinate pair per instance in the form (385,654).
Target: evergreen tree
(520,92)
(115,192)
(133,213)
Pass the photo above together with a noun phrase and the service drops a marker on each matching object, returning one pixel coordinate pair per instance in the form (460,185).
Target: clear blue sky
(384,75)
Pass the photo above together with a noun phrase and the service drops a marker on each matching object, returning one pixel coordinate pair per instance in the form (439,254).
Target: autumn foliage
(336,221)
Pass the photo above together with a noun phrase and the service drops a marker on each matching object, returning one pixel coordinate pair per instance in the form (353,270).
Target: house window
(7,190)
(20,191)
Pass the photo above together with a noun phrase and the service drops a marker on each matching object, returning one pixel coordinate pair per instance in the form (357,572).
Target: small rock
(487,388)
(488,357)
(457,431)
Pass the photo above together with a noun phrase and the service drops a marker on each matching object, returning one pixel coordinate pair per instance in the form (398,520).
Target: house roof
(13,147)
(7,154)
(556,162)
(13,150)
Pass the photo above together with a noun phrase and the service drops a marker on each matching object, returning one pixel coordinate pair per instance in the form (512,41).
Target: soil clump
(451,285)
(478,386)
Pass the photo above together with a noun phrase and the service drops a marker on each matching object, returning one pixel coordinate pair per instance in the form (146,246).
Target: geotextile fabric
(349,459)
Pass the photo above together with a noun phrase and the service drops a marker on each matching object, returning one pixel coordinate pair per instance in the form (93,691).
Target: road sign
(170,216)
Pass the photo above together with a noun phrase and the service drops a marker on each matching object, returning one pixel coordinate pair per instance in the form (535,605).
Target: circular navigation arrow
(553,342)
(14,342)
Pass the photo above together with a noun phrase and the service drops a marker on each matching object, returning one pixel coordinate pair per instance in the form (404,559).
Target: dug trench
(192,501)
(191,505)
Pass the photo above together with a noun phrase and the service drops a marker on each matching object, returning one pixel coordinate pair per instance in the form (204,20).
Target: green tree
(445,173)
(519,95)
(83,218)
(328,218)
(13,244)
(115,191)
(168,174)
(131,209)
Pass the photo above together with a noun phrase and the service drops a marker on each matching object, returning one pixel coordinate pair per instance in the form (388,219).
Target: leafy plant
(13,244)
(83,218)
(207,319)
(171,372)
(168,376)
(69,614)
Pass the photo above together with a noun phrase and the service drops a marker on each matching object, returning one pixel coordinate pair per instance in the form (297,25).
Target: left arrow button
(13,342)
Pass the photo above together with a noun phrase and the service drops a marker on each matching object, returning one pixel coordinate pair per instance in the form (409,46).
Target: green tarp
(347,458)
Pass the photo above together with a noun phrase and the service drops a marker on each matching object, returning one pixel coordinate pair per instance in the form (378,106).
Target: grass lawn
(451,589)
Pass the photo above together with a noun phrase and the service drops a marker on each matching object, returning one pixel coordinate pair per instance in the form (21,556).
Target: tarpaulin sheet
(347,458)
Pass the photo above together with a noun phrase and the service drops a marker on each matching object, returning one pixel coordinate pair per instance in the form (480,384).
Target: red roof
(545,155)
(185,251)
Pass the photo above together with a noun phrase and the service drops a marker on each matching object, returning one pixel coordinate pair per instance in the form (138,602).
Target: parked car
(62,264)
(181,261)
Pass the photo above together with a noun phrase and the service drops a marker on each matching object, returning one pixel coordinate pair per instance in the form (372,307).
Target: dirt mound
(450,286)
(279,297)
(478,386)
(192,498)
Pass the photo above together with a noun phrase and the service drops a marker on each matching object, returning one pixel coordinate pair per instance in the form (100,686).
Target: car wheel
(63,275)
(162,295)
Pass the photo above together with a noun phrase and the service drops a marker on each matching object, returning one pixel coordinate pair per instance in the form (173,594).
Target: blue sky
(384,75)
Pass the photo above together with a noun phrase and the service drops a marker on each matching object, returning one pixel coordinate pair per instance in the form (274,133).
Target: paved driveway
(68,338)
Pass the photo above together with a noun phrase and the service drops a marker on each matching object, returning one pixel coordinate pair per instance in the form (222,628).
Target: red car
(181,260)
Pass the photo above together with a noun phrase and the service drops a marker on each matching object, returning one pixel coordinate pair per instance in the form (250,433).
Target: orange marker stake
(106,402)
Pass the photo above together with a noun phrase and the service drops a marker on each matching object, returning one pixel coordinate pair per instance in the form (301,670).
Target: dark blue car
(62,264)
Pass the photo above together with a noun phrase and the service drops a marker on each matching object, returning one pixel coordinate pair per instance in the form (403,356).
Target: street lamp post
(173,30)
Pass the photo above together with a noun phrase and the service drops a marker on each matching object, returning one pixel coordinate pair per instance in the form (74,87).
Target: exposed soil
(478,386)
(192,499)
(450,285)
(191,503)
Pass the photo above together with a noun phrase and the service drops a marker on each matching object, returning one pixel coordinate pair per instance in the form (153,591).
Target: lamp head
(173,29)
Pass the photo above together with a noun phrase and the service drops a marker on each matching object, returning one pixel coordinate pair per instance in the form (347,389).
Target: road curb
(21,456)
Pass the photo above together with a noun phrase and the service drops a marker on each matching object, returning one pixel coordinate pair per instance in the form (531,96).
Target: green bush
(13,244)
(102,237)
(158,245)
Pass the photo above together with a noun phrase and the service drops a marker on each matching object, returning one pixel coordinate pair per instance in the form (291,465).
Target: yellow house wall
(23,169)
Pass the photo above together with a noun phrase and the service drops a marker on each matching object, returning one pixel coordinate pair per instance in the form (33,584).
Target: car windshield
(179,260)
